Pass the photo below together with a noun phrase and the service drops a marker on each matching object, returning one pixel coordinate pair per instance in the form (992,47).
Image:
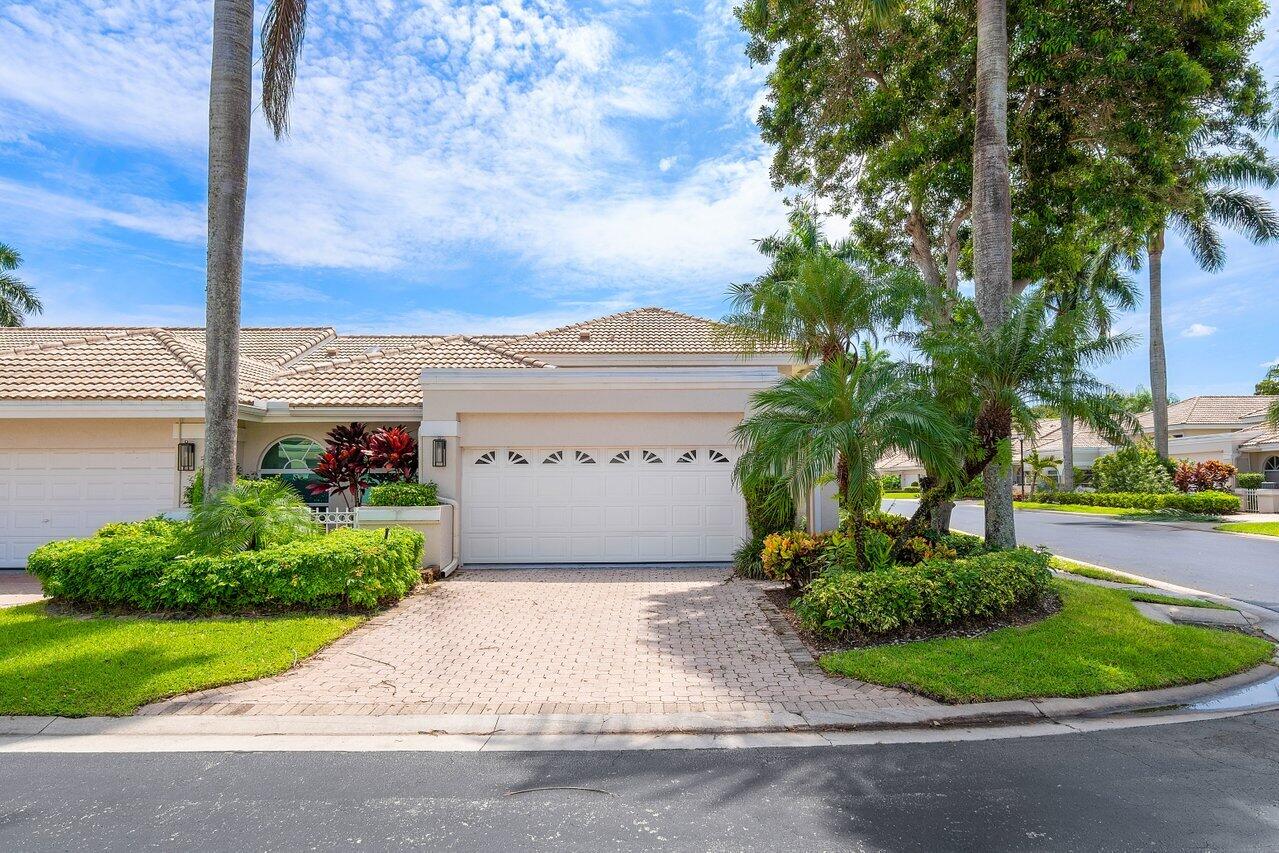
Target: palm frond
(283,28)
(1205,244)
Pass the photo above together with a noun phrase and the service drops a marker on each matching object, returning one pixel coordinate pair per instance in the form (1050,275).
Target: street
(1201,785)
(1240,567)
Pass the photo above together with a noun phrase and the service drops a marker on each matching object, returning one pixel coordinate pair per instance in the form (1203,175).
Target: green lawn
(1156,598)
(1061,564)
(914,496)
(1097,644)
(1088,510)
(75,667)
(1265,528)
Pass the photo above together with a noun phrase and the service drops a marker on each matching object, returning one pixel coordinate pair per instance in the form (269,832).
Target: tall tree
(1209,193)
(993,227)
(230,113)
(17,298)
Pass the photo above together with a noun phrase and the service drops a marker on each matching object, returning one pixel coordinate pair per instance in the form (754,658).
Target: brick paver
(560,641)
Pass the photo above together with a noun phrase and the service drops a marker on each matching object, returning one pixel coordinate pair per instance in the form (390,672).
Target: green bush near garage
(932,595)
(150,566)
(403,494)
(1207,503)
(1249,480)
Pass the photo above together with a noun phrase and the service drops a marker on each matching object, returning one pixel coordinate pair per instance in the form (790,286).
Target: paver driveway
(565,641)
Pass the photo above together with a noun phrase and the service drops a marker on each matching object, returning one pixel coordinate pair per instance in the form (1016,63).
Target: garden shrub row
(1212,503)
(932,595)
(403,494)
(148,566)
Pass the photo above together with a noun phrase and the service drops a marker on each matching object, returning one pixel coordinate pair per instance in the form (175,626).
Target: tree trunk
(1066,482)
(992,199)
(230,110)
(992,225)
(1000,530)
(1158,363)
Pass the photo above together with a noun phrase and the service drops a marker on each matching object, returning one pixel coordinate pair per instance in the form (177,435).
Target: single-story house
(603,441)
(1225,428)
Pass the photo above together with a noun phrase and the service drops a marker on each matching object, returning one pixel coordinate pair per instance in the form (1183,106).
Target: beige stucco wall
(583,429)
(88,434)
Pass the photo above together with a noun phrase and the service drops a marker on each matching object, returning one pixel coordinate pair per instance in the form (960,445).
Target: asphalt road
(1238,566)
(1190,786)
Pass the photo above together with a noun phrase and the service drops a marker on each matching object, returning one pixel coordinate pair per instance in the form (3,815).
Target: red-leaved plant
(393,449)
(342,471)
(1209,476)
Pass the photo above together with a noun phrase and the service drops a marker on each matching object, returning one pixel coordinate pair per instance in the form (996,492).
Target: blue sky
(453,166)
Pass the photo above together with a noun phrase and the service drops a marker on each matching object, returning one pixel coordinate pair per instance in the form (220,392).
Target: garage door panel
(622,518)
(571,510)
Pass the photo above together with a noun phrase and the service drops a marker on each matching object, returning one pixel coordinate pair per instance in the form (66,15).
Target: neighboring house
(603,441)
(1225,428)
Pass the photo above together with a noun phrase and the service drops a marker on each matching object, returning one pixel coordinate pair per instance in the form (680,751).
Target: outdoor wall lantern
(186,456)
(439,453)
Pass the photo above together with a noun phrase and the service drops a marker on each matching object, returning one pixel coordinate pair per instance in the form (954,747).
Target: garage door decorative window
(686,457)
(515,458)
(487,458)
(620,458)
(584,458)
(554,458)
(652,458)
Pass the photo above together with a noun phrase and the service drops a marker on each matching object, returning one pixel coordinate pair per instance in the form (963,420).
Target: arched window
(1271,469)
(291,459)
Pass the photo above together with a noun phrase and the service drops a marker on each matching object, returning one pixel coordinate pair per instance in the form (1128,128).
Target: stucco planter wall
(435,523)
(1267,499)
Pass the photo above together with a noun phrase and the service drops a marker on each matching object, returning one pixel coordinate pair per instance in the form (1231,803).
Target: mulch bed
(822,645)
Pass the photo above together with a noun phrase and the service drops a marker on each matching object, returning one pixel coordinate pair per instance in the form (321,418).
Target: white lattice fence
(1250,500)
(332,519)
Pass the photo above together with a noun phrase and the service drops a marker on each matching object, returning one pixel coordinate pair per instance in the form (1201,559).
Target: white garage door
(593,505)
(46,495)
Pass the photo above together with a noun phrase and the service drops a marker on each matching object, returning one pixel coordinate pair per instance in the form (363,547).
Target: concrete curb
(18,733)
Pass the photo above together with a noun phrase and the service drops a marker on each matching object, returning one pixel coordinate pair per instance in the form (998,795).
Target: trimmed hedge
(148,567)
(1211,503)
(933,595)
(1249,480)
(403,494)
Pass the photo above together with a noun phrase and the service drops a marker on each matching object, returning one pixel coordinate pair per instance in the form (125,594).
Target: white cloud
(666,163)
(1197,330)
(423,131)
(1269,364)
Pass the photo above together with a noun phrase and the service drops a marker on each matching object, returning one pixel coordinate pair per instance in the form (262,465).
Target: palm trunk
(992,225)
(1158,362)
(1066,482)
(230,109)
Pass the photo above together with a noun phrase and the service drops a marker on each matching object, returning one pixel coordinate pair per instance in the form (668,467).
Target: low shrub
(932,595)
(152,526)
(249,515)
(150,568)
(403,494)
(1250,480)
(1133,469)
(1207,476)
(1207,503)
(891,482)
(794,556)
(769,509)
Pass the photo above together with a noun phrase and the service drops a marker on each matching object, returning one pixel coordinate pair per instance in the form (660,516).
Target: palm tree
(17,298)
(1038,465)
(1208,195)
(844,417)
(230,110)
(1090,298)
(821,298)
(990,381)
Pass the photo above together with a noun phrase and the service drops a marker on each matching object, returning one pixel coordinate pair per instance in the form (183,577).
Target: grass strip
(1097,644)
(76,666)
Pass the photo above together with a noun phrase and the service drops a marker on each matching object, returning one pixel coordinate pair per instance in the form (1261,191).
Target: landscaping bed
(1097,644)
(75,666)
